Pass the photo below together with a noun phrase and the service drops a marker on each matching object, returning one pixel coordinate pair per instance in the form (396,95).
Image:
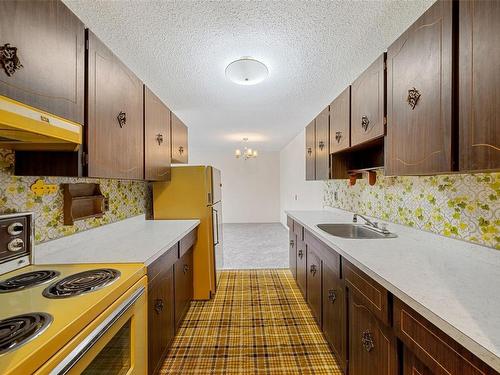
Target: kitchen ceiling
(180,49)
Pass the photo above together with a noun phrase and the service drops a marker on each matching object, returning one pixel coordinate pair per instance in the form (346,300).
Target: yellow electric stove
(76,318)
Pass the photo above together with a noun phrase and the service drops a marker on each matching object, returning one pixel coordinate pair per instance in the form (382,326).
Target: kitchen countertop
(453,284)
(133,240)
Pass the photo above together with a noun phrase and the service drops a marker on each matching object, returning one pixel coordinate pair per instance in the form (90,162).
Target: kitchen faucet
(382,228)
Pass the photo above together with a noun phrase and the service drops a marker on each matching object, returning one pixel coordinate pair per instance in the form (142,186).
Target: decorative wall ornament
(9,59)
(463,206)
(40,188)
(122,119)
(413,96)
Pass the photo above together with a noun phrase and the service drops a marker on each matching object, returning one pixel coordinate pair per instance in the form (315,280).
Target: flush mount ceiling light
(247,71)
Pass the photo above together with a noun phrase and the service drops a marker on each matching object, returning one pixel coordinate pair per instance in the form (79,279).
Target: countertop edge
(467,342)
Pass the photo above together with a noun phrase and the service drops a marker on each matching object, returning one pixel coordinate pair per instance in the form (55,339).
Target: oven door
(114,344)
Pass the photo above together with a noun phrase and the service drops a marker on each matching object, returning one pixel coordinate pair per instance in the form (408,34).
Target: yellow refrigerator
(195,192)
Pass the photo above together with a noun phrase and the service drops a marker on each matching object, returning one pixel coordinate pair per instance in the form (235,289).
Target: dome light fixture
(247,71)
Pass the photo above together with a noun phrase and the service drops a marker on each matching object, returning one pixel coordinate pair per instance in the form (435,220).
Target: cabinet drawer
(374,295)
(163,263)
(298,230)
(327,254)
(436,350)
(187,242)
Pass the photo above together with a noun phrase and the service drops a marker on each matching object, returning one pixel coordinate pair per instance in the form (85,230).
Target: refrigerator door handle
(216,225)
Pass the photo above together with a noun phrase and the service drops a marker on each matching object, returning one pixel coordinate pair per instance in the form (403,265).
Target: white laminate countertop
(133,240)
(454,284)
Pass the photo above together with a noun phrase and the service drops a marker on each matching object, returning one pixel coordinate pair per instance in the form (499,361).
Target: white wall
(250,188)
(295,192)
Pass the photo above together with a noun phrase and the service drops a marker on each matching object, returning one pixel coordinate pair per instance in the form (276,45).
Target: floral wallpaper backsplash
(464,206)
(126,199)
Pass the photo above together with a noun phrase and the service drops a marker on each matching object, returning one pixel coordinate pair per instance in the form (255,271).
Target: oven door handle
(77,353)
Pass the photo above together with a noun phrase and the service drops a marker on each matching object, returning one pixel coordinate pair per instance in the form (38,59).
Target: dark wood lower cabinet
(314,284)
(183,271)
(412,365)
(292,248)
(301,267)
(372,345)
(334,313)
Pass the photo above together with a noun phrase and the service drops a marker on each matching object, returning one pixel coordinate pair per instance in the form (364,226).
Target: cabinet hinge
(385,65)
(87,44)
(85,158)
(385,120)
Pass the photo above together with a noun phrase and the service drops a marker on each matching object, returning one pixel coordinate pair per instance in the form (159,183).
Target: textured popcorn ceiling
(313,50)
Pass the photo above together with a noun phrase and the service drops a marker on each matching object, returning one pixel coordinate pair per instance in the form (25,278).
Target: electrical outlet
(296,197)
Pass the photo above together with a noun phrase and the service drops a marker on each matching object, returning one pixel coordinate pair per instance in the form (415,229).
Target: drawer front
(334,314)
(301,267)
(163,263)
(375,296)
(183,286)
(441,354)
(314,284)
(187,242)
(326,253)
(372,345)
(292,248)
(298,230)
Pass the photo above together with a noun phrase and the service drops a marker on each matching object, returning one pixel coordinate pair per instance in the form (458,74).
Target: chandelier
(247,152)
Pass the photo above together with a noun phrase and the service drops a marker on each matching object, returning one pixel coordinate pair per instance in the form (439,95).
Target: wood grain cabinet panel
(334,312)
(314,277)
(412,365)
(179,140)
(156,138)
(322,144)
(183,272)
(367,104)
(340,122)
(292,248)
(50,42)
(115,116)
(479,94)
(419,96)
(434,349)
(302,267)
(310,152)
(372,345)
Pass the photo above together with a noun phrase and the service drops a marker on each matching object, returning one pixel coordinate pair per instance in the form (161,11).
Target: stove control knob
(16,244)
(15,228)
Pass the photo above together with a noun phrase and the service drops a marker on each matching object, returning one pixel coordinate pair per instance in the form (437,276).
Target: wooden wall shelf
(83,201)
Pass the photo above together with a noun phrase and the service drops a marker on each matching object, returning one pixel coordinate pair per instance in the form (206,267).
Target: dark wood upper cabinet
(340,122)
(479,82)
(322,144)
(115,116)
(179,140)
(367,104)
(50,42)
(156,138)
(310,151)
(419,96)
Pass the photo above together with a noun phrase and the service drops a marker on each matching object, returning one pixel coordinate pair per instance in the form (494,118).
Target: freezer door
(216,186)
(217,228)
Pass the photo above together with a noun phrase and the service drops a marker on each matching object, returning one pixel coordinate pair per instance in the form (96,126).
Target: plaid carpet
(258,323)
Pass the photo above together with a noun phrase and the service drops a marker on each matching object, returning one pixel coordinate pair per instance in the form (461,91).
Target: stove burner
(27,280)
(18,330)
(81,283)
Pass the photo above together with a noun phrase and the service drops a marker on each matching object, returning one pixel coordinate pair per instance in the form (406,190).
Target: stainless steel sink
(360,231)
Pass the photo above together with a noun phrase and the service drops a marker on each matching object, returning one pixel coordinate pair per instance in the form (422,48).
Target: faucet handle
(355,218)
(383,226)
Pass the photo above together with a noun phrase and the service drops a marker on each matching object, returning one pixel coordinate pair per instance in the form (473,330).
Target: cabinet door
(115,116)
(334,313)
(419,96)
(156,138)
(412,366)
(314,284)
(479,110)
(50,42)
(293,253)
(179,141)
(301,267)
(372,346)
(367,104)
(322,144)
(340,121)
(310,152)
(160,317)
(183,286)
